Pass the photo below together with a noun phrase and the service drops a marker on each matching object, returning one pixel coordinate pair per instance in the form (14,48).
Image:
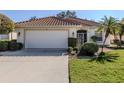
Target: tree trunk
(120,37)
(115,37)
(11,35)
(103,44)
(106,36)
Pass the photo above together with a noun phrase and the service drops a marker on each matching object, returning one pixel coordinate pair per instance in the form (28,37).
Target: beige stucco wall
(23,31)
(13,35)
(21,37)
(90,32)
(72,30)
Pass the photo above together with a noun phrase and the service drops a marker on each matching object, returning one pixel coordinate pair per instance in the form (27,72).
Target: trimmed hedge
(10,45)
(20,46)
(89,49)
(13,46)
(72,42)
(3,45)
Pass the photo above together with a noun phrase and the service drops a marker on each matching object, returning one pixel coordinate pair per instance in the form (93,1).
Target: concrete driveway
(34,69)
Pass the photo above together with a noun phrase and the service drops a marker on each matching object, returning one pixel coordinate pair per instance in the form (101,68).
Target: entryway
(81,37)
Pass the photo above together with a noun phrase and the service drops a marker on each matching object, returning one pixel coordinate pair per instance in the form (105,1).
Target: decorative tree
(33,18)
(67,14)
(109,26)
(6,25)
(121,31)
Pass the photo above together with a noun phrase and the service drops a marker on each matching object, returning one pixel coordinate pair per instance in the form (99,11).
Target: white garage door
(46,39)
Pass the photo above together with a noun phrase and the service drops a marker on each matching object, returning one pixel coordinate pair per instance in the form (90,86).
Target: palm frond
(104,57)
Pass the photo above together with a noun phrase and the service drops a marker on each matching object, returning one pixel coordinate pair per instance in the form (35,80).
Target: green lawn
(81,70)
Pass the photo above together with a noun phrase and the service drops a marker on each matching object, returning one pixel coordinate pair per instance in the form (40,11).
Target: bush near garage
(88,49)
(14,45)
(10,45)
(72,42)
(3,45)
(20,46)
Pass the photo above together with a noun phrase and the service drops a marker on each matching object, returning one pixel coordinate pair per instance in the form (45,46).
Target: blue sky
(20,15)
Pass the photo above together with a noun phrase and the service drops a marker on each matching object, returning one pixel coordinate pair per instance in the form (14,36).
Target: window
(99,36)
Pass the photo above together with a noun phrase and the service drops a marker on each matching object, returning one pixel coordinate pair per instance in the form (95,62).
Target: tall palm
(109,25)
(121,32)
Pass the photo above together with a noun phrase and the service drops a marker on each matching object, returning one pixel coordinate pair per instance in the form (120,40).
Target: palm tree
(121,33)
(109,25)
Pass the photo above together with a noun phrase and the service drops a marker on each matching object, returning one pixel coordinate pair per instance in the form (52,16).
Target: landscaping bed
(83,71)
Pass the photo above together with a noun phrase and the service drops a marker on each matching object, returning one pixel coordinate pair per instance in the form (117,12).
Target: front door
(81,37)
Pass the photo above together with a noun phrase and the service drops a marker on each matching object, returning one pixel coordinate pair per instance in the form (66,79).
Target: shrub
(122,42)
(89,49)
(94,38)
(72,42)
(117,42)
(14,40)
(70,49)
(13,45)
(3,45)
(20,46)
(10,45)
(76,49)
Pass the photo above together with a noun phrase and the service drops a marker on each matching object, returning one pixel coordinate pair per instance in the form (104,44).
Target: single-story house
(53,32)
(8,36)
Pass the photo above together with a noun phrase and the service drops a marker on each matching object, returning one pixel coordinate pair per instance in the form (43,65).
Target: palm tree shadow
(103,57)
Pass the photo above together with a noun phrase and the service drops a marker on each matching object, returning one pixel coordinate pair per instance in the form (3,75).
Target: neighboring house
(4,36)
(53,32)
(8,36)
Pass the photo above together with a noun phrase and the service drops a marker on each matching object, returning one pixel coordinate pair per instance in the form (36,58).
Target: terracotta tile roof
(55,21)
(47,21)
(84,22)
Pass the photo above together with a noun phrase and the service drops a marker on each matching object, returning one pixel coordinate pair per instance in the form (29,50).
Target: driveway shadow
(34,52)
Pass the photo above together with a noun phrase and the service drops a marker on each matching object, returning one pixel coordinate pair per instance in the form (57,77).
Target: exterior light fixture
(73,34)
(19,33)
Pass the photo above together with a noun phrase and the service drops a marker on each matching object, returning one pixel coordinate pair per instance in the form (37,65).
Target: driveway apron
(34,69)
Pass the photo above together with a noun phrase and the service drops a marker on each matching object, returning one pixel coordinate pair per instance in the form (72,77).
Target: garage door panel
(46,39)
